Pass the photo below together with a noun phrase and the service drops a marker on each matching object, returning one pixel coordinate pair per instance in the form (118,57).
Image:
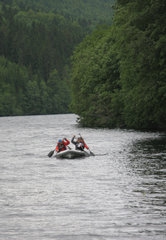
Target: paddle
(51,153)
(91,153)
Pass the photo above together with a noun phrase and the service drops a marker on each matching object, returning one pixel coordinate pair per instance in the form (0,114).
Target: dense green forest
(76,56)
(119,72)
(37,39)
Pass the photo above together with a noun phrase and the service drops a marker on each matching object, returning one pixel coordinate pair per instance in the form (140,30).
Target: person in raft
(79,143)
(62,144)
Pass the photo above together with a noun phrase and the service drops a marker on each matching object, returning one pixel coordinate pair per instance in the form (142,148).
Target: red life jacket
(61,146)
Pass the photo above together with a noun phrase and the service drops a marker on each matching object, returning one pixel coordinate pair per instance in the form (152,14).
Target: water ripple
(118,194)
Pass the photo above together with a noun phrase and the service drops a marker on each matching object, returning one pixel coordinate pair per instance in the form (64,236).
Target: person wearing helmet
(62,145)
(79,143)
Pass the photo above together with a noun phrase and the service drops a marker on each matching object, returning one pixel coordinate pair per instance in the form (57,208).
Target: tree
(121,73)
(94,79)
(140,39)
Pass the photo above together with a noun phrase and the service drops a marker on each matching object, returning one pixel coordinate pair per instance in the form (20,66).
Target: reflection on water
(149,157)
(152,146)
(148,161)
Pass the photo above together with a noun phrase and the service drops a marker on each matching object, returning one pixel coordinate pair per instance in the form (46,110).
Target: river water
(120,193)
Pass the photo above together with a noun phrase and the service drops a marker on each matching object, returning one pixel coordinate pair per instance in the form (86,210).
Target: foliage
(91,12)
(141,49)
(37,39)
(94,79)
(118,75)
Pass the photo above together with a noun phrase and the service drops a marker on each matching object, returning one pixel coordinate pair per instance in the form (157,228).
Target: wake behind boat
(71,154)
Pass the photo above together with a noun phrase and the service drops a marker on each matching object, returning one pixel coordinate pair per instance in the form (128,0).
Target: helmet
(60,140)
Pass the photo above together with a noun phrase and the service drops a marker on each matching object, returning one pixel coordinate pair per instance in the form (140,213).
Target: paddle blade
(51,153)
(92,154)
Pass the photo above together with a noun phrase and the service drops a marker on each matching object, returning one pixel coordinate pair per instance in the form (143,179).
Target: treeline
(119,73)
(37,39)
(87,12)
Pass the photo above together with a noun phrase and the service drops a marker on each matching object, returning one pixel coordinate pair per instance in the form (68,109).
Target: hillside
(93,12)
(37,39)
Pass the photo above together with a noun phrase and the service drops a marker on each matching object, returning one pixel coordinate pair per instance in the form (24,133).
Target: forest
(37,38)
(119,72)
(102,60)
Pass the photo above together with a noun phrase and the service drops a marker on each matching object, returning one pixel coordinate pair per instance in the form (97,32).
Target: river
(120,193)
